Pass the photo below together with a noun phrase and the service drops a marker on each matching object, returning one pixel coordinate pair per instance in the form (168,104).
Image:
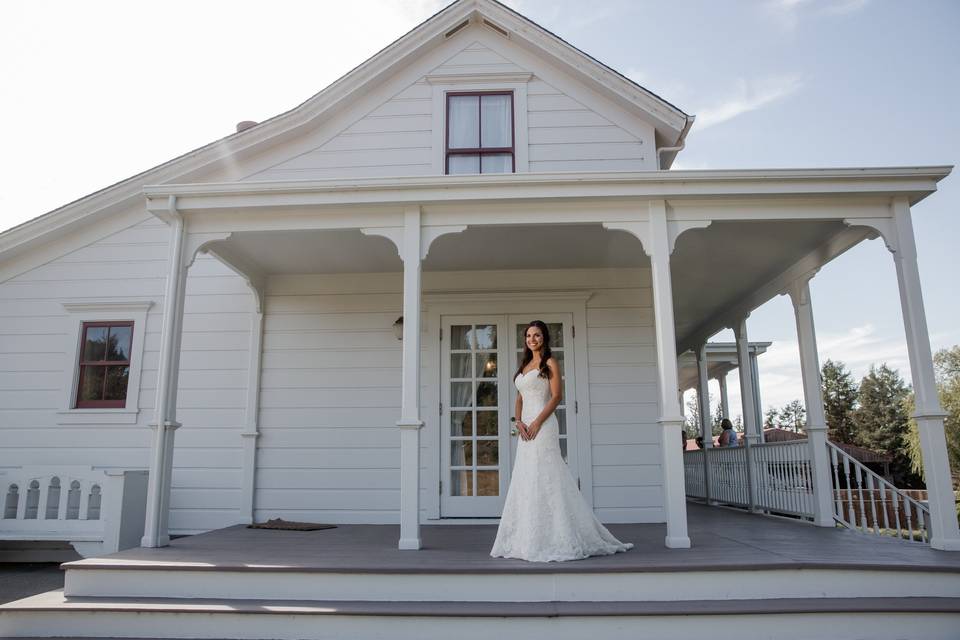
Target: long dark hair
(545,353)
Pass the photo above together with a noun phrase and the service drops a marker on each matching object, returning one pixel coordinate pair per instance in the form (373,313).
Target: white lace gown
(545,517)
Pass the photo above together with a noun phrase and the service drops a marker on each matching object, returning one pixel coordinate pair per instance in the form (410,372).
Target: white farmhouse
(317,317)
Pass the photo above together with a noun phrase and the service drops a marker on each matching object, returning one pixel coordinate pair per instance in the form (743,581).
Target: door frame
(437,304)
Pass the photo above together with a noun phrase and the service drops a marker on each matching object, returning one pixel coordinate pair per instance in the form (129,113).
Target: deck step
(53,615)
(275,583)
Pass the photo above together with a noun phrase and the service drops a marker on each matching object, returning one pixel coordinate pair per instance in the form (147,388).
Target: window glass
(464,164)
(104,366)
(464,119)
(495,122)
(480,133)
(497,163)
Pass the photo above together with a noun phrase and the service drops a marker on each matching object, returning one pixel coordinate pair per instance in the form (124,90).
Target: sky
(95,92)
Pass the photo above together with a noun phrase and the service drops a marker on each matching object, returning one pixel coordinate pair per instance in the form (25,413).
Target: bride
(545,518)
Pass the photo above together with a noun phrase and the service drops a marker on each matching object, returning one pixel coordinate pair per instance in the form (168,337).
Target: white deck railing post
(816,427)
(929,415)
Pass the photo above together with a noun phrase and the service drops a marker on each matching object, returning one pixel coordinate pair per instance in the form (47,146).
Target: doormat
(287,525)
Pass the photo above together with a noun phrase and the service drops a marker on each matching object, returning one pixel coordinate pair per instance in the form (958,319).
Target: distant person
(728,438)
(699,441)
(684,435)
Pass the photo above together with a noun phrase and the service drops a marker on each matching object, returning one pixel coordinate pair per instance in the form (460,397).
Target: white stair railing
(866,502)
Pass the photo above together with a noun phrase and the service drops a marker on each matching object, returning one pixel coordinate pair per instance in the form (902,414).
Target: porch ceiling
(728,267)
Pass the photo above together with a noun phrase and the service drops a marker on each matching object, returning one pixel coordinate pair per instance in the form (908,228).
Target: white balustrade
(783,474)
(870,504)
(95,510)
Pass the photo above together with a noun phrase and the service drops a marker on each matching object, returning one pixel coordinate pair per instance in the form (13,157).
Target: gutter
(678,145)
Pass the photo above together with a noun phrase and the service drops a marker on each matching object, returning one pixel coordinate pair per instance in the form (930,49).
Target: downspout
(158,484)
(678,145)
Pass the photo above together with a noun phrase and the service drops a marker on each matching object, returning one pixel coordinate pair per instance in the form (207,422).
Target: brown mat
(287,525)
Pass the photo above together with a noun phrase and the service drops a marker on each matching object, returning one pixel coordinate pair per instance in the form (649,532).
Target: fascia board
(916,182)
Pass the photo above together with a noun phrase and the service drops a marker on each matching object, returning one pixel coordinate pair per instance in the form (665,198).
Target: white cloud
(748,96)
(788,13)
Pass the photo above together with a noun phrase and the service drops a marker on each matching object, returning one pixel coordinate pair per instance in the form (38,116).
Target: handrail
(858,505)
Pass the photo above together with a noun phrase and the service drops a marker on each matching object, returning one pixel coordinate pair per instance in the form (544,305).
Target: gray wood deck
(723,540)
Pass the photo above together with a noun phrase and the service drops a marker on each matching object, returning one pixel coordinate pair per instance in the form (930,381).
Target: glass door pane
(473,483)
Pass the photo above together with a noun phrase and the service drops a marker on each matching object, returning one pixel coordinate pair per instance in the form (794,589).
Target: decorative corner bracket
(883,228)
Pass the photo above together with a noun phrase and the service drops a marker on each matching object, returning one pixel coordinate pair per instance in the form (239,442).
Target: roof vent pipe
(246,124)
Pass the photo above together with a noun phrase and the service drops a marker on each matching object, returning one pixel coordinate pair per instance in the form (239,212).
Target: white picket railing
(784,477)
(777,477)
(868,503)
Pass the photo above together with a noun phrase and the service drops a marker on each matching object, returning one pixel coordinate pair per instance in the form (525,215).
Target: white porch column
(674,498)
(799,292)
(724,396)
(751,427)
(929,414)
(410,422)
(161,460)
(706,425)
(657,238)
(757,405)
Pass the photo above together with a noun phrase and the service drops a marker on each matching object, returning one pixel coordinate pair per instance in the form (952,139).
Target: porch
(769,576)
(441,238)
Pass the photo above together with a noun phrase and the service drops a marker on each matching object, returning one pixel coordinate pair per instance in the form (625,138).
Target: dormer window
(480,132)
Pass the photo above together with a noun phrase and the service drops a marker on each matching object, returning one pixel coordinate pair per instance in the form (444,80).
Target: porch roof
(751,232)
(721,360)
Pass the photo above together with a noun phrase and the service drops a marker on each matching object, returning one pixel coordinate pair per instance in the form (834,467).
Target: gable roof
(670,122)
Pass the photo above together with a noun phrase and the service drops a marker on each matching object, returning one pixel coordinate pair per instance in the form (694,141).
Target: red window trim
(83,365)
(481,151)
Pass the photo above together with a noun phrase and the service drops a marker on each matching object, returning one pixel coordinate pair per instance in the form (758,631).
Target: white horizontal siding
(35,337)
(330,393)
(395,138)
(627,476)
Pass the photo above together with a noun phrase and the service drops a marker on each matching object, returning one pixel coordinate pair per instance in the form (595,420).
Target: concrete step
(53,615)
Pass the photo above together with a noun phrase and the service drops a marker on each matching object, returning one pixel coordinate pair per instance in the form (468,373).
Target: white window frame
(77,314)
(516,82)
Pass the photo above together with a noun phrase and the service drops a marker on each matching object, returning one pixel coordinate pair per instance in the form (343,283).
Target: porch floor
(722,540)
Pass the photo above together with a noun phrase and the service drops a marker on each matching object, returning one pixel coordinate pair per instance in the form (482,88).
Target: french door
(480,356)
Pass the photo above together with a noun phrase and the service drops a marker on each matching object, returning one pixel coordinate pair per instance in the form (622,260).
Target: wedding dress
(545,518)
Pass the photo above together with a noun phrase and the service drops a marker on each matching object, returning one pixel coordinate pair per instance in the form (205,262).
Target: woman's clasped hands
(528,431)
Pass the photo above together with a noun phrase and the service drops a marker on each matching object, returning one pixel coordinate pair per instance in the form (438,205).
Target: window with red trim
(104,364)
(480,132)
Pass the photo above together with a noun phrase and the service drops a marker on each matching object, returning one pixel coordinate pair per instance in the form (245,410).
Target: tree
(881,418)
(946,364)
(793,416)
(692,414)
(771,418)
(839,401)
